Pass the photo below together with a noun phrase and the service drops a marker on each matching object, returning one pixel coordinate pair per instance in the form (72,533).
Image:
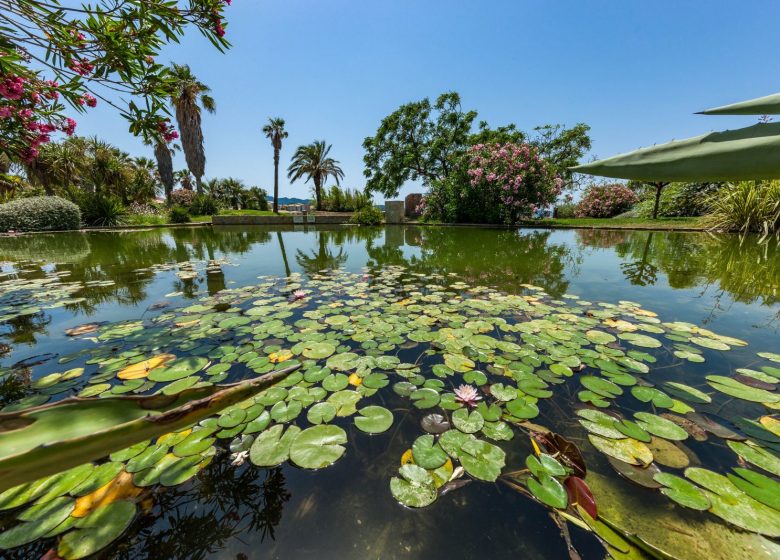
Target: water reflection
(121,268)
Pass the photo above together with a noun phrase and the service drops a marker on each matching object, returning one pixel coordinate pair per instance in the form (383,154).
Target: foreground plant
(85,52)
(48,439)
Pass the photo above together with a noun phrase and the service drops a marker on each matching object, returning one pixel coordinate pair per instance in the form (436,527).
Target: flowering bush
(93,50)
(494,183)
(182,197)
(605,201)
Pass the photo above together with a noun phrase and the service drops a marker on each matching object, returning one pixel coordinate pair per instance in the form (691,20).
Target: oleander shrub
(102,210)
(494,183)
(204,205)
(368,216)
(182,197)
(605,201)
(747,206)
(179,215)
(39,213)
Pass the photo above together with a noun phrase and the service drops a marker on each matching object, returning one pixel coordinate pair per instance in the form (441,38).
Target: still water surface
(728,284)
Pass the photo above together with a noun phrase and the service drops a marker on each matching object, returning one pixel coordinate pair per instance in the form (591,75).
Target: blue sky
(635,71)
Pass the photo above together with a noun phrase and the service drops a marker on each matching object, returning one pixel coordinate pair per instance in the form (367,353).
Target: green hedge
(39,213)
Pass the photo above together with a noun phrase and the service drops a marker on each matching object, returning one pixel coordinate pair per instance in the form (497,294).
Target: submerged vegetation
(549,394)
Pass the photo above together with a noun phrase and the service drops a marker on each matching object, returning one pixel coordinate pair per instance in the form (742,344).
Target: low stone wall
(280,220)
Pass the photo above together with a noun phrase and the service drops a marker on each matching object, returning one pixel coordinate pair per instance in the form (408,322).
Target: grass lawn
(628,223)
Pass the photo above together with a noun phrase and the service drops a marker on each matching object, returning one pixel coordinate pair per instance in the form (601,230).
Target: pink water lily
(298,294)
(467,395)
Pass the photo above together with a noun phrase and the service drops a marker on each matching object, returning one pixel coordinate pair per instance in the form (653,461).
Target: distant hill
(286,200)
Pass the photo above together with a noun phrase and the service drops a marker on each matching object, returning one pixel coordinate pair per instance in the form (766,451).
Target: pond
(647,359)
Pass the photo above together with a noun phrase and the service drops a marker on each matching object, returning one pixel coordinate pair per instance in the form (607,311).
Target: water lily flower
(467,395)
(237,459)
(298,294)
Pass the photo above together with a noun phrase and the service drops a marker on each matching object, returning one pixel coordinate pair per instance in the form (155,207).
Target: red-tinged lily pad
(579,493)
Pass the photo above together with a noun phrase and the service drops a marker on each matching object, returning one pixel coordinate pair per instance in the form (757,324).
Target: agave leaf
(47,439)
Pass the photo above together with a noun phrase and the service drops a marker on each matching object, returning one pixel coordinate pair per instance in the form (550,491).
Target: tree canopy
(423,141)
(106,50)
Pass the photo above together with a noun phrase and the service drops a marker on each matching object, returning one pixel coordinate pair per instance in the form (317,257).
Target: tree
(53,51)
(163,155)
(313,162)
(276,132)
(184,178)
(416,142)
(186,94)
(228,191)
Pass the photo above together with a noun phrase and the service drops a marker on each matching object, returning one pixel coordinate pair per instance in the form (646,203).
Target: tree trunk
(276,181)
(318,192)
(198,185)
(284,253)
(658,188)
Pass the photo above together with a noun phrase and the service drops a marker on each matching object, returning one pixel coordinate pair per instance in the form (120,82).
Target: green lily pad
(179,368)
(627,450)
(272,447)
(416,487)
(757,456)
(318,350)
(683,492)
(96,531)
(758,486)
(660,427)
(53,513)
(651,394)
(321,413)
(467,422)
(548,491)
(427,453)
(374,420)
(318,446)
(734,388)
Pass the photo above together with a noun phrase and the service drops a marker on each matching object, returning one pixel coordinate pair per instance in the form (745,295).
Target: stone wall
(394,211)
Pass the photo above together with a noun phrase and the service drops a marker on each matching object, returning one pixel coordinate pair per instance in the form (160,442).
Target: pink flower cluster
(516,174)
(25,113)
(605,201)
(167,131)
(82,67)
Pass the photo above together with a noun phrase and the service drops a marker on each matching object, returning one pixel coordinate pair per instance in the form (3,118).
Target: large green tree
(188,96)
(275,131)
(88,52)
(423,142)
(313,162)
(418,141)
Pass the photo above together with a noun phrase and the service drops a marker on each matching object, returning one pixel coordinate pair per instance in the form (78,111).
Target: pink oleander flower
(467,395)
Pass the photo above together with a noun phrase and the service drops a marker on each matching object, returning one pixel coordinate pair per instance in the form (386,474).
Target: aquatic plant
(368,343)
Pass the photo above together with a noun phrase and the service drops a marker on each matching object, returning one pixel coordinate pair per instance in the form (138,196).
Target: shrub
(747,206)
(605,201)
(368,216)
(101,210)
(145,209)
(335,199)
(40,213)
(204,205)
(182,197)
(494,183)
(679,199)
(179,215)
(565,210)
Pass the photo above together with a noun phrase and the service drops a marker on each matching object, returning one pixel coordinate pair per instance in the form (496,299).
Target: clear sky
(634,70)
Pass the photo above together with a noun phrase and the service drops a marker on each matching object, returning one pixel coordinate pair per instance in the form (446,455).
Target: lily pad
(374,420)
(272,447)
(683,492)
(415,488)
(318,446)
(427,453)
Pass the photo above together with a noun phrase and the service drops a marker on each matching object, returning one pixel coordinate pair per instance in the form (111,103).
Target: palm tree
(313,161)
(163,155)
(276,132)
(187,92)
